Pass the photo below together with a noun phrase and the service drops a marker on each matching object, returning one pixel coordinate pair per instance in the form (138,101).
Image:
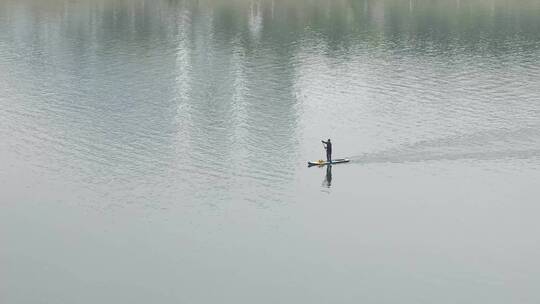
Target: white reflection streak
(182,56)
(183,70)
(255,20)
(239,90)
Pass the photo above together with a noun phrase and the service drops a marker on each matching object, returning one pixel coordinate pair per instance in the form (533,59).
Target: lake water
(155,151)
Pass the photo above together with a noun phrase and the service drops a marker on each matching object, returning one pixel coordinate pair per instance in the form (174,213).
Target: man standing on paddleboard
(328,146)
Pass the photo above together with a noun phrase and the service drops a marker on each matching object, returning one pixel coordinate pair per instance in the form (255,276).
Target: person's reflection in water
(328,177)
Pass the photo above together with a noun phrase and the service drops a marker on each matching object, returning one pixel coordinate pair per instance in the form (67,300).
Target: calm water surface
(155,151)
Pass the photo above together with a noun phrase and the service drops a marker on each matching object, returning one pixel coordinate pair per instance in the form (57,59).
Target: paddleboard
(324,163)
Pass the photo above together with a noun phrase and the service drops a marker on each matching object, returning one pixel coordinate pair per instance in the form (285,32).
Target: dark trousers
(328,156)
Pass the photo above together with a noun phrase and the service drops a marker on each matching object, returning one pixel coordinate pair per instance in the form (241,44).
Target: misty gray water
(155,151)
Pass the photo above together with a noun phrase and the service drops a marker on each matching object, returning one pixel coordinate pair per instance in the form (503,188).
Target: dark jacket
(328,146)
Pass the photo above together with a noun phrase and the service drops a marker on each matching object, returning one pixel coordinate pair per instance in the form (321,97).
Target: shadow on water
(328,177)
